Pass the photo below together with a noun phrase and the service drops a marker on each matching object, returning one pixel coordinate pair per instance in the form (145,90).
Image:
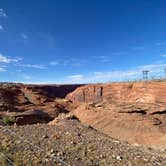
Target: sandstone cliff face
(141,92)
(133,112)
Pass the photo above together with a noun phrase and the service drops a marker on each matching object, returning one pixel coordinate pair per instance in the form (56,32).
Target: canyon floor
(95,124)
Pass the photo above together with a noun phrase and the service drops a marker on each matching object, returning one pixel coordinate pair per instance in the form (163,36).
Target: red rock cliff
(141,92)
(133,112)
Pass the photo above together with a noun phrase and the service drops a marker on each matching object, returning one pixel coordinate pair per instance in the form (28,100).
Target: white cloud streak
(73,62)
(5,59)
(118,75)
(104,59)
(36,66)
(75,78)
(67,61)
(54,63)
(2,69)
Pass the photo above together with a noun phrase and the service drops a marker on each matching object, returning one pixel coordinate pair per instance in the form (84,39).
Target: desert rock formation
(132,112)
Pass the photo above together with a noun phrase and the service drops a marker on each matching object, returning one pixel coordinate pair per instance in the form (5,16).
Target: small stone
(113,156)
(72,142)
(115,141)
(46,160)
(145,159)
(53,155)
(101,156)
(118,157)
(59,154)
(52,151)
(130,164)
(45,136)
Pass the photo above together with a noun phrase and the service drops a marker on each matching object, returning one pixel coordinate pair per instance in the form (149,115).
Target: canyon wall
(139,92)
(132,112)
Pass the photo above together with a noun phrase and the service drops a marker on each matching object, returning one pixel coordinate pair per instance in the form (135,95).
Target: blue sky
(81,41)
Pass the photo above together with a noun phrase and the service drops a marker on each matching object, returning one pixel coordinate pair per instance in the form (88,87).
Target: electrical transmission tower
(145,74)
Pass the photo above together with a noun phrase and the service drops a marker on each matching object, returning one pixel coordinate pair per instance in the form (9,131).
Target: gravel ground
(70,143)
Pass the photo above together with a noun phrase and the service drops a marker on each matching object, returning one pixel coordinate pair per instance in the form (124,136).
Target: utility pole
(145,74)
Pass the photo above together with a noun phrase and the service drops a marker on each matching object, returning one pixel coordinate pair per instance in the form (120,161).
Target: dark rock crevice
(159,112)
(143,112)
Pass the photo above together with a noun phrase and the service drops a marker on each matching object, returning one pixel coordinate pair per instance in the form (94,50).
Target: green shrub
(9,120)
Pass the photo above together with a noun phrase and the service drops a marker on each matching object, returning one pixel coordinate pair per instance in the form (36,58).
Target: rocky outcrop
(17,97)
(63,117)
(20,94)
(132,112)
(16,100)
(141,92)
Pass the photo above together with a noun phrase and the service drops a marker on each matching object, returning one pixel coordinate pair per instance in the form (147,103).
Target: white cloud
(2,69)
(54,63)
(113,75)
(36,66)
(76,78)
(1,28)
(41,82)
(164,55)
(135,72)
(153,68)
(2,13)
(73,62)
(117,75)
(104,59)
(5,59)
(24,36)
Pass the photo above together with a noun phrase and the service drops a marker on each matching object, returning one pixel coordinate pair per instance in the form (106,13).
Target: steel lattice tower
(145,74)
